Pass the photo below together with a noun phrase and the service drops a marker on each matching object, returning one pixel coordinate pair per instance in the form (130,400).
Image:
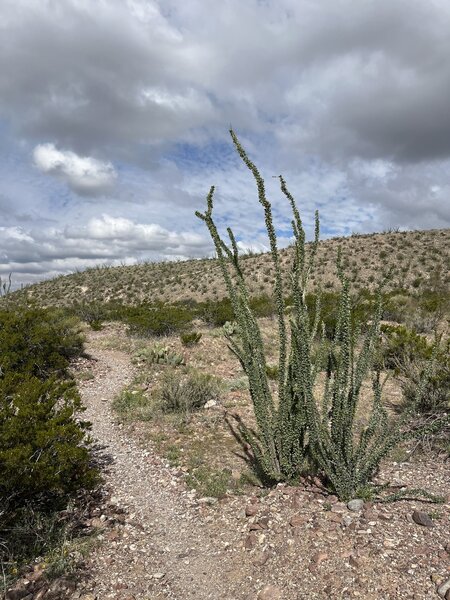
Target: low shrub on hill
(402,345)
(155,320)
(190,338)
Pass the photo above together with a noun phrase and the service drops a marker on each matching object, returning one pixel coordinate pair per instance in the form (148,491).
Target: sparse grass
(133,285)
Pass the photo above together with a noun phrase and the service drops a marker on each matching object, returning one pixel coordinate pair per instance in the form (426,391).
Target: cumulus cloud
(34,253)
(85,175)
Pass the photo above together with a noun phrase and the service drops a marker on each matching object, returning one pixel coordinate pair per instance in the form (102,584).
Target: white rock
(355,505)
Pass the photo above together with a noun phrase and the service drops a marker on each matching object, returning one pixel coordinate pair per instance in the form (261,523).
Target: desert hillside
(418,259)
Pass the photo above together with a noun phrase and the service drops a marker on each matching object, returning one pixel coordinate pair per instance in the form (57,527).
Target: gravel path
(166,548)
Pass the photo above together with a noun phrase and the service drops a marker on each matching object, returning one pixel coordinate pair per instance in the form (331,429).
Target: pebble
(270,592)
(443,589)
(355,505)
(422,518)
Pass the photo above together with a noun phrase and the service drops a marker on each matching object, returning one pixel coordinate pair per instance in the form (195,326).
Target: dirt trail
(168,547)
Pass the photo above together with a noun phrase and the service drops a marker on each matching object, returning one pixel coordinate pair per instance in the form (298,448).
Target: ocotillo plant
(297,426)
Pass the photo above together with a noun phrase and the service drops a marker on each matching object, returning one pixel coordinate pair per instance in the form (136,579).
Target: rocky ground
(159,540)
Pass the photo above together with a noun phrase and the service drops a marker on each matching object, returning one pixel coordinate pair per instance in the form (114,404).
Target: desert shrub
(434,301)
(436,397)
(38,342)
(262,306)
(43,446)
(402,345)
(92,313)
(179,393)
(190,338)
(296,428)
(156,320)
(216,313)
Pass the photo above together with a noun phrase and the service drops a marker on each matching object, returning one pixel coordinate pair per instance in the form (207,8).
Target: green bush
(191,338)
(44,448)
(156,320)
(184,394)
(401,345)
(93,314)
(262,306)
(38,342)
(272,372)
(436,397)
(216,313)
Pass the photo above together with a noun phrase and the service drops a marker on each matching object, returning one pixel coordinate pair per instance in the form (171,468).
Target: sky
(115,117)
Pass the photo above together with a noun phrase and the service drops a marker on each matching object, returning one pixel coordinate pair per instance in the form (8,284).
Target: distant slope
(419,259)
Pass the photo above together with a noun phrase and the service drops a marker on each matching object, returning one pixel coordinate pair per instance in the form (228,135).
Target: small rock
(347,520)
(250,541)
(261,559)
(355,505)
(264,521)
(210,404)
(334,517)
(270,592)
(207,500)
(251,510)
(97,523)
(354,561)
(443,589)
(298,520)
(319,557)
(17,594)
(88,597)
(158,575)
(422,518)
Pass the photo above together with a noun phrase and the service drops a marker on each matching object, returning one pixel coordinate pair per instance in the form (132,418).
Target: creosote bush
(44,445)
(296,430)
(38,342)
(42,454)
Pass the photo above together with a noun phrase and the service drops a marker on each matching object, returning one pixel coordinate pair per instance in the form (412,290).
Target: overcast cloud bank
(114,117)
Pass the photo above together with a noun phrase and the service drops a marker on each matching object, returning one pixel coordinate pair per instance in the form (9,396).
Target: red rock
(353,560)
(298,520)
(251,510)
(264,522)
(250,541)
(319,557)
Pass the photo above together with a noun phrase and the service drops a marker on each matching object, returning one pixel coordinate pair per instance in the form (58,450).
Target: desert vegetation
(45,460)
